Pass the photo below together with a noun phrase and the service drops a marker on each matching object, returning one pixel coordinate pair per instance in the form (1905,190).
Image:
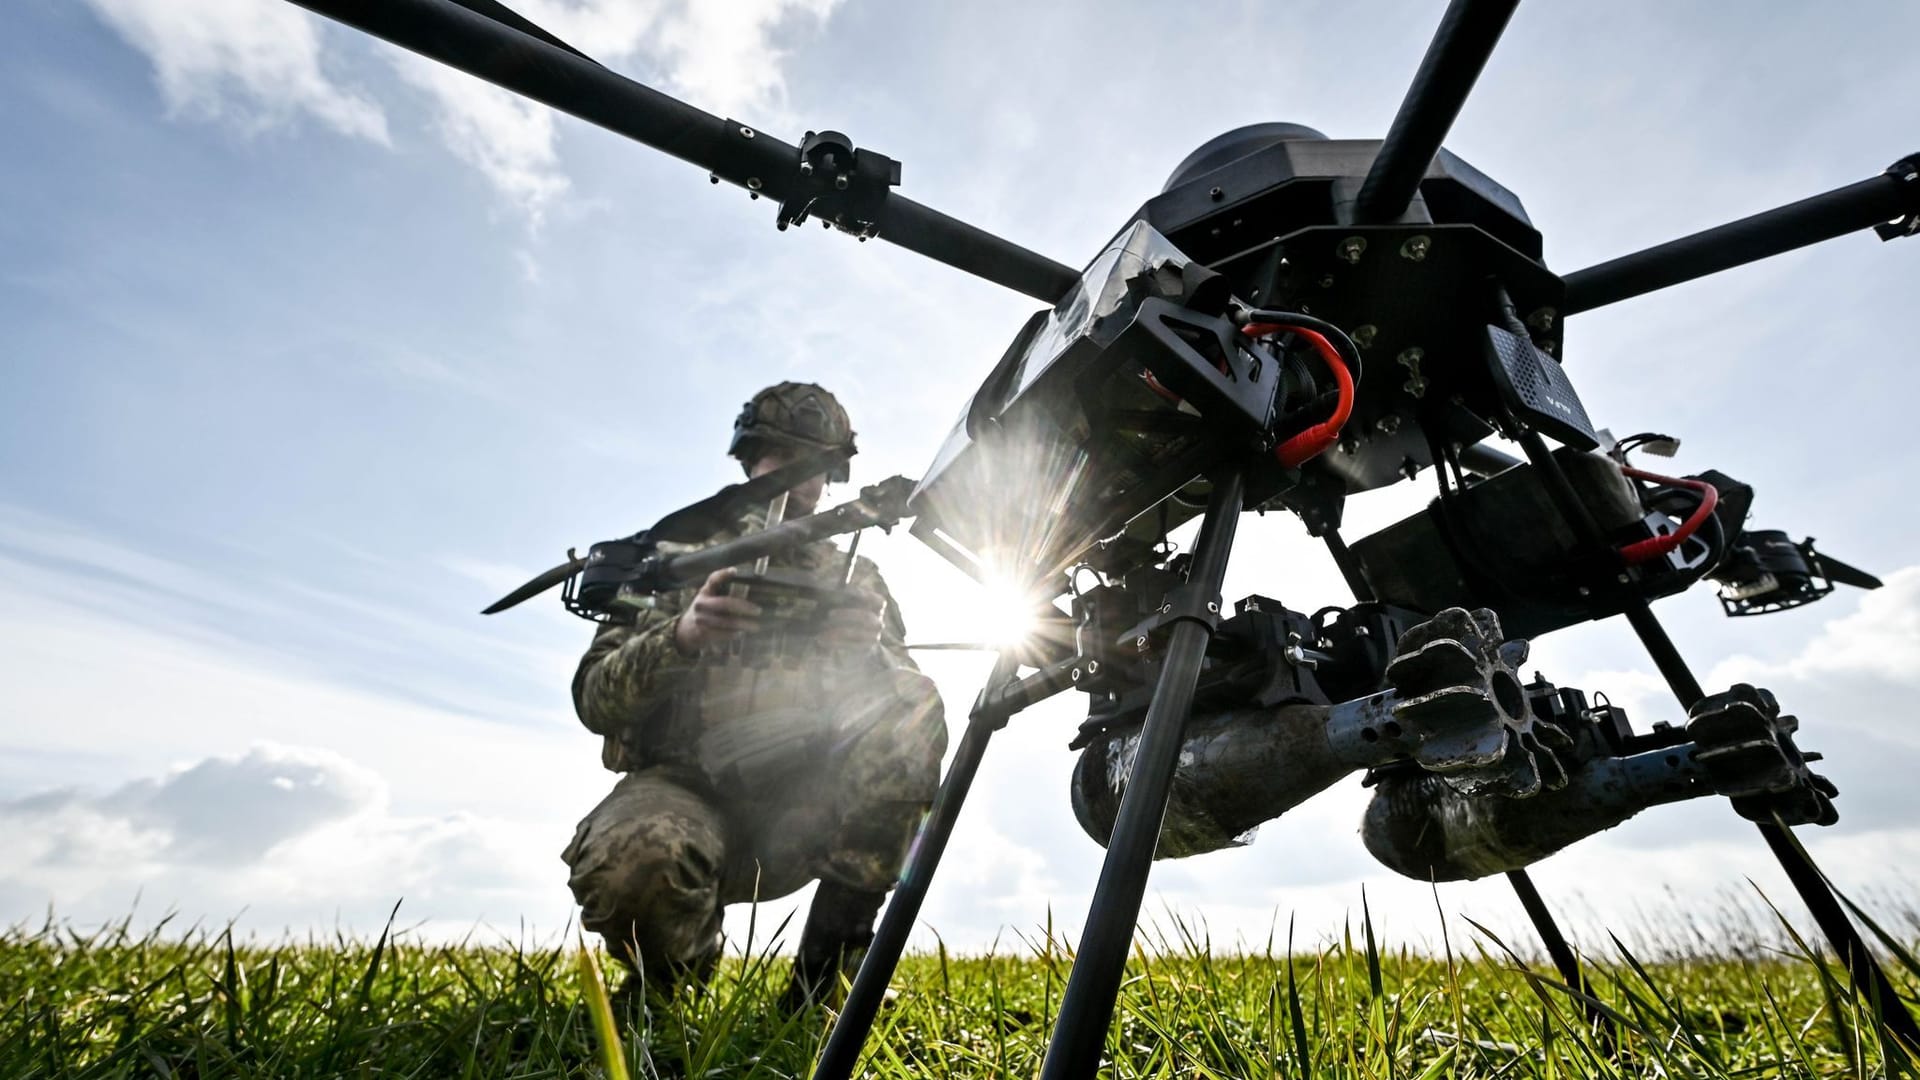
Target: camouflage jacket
(634,683)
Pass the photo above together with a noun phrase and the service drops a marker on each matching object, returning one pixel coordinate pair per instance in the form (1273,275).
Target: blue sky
(310,350)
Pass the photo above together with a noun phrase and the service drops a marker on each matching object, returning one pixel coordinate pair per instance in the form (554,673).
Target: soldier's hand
(714,617)
(853,625)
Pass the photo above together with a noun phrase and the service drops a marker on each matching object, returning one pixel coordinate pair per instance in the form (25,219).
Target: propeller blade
(1841,574)
(537,586)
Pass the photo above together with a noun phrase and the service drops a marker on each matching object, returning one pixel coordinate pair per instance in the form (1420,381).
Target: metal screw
(1075,675)
(1542,319)
(1416,383)
(1093,667)
(840,182)
(746,132)
(1326,281)
(1213,608)
(713,178)
(1416,248)
(1305,310)
(1140,642)
(1409,468)
(1352,247)
(1216,194)
(753,183)
(806,168)
(1387,424)
(1363,335)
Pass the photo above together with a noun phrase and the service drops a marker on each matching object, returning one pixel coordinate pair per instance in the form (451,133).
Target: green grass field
(114,1003)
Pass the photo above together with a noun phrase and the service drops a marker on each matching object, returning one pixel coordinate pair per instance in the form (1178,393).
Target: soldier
(757,753)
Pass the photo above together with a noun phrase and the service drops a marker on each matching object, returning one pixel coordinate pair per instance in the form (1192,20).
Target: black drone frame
(826,178)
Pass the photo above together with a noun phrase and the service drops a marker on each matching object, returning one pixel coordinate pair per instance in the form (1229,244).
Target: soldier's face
(805,496)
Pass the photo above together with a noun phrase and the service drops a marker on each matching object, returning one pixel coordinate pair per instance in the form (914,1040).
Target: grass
(198,1004)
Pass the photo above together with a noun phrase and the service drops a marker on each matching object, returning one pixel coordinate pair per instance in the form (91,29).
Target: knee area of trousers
(639,875)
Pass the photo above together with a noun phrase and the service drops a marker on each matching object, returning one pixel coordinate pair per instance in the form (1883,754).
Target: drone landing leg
(842,1052)
(1562,954)
(1086,1008)
(1896,1022)
(1815,891)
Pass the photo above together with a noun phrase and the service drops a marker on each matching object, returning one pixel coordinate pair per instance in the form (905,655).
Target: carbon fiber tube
(1086,1007)
(842,1053)
(1750,239)
(1466,37)
(462,38)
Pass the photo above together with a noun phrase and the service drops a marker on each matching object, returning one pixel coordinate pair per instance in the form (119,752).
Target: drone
(1292,320)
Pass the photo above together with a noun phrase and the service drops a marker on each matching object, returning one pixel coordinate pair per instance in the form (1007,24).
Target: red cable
(1655,546)
(1304,446)
(1314,440)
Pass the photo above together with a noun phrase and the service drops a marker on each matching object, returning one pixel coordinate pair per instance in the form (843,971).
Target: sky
(310,349)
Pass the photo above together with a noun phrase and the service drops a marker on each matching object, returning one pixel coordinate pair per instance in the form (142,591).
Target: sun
(1005,613)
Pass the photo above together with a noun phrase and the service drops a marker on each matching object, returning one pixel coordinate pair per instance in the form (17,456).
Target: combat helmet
(792,414)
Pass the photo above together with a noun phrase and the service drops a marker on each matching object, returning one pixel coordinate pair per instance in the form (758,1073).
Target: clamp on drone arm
(845,188)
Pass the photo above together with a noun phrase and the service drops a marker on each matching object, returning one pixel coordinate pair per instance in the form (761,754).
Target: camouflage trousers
(654,864)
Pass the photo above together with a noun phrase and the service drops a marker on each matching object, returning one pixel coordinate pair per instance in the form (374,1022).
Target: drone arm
(880,504)
(1892,196)
(512,53)
(1468,32)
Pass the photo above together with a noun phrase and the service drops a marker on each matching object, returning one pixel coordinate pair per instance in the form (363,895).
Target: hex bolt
(1542,319)
(1140,642)
(1093,667)
(1416,383)
(1216,194)
(746,132)
(753,183)
(1416,248)
(1387,424)
(1363,335)
(1352,247)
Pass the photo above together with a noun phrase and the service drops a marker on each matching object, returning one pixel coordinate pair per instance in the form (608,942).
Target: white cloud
(254,62)
(293,837)
(260,62)
(1880,641)
(509,138)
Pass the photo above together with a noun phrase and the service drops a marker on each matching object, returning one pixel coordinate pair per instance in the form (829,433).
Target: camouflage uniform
(750,770)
